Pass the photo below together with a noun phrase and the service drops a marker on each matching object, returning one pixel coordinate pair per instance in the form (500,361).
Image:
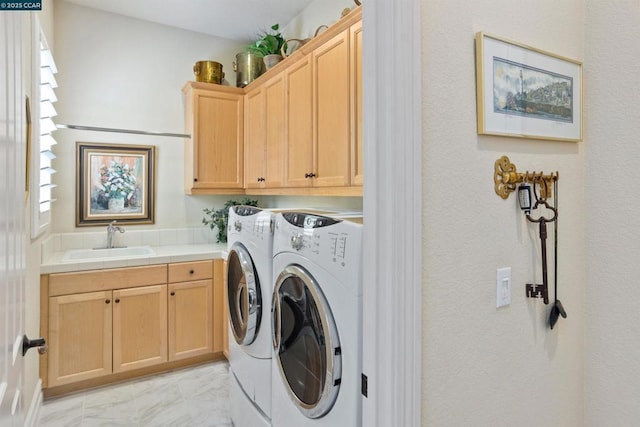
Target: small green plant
(269,42)
(219,218)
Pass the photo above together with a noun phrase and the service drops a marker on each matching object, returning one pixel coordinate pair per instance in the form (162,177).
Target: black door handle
(38,342)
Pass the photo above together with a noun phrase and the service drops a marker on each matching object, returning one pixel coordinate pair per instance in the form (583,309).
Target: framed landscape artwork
(525,92)
(114,182)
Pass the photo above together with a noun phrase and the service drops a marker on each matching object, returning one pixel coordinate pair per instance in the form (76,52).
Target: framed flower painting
(114,182)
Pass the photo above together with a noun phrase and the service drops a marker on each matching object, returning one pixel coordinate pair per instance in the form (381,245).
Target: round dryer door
(243,295)
(306,343)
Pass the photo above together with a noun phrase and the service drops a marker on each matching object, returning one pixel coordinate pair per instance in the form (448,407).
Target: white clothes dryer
(317,321)
(249,290)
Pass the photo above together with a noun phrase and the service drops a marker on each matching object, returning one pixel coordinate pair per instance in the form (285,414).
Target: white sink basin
(133,251)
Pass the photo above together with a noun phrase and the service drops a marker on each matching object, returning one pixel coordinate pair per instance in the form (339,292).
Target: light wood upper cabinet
(139,327)
(302,121)
(332,130)
(324,114)
(355,39)
(79,337)
(265,134)
(299,122)
(274,94)
(254,134)
(214,154)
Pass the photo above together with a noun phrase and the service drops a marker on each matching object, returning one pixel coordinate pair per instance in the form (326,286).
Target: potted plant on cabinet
(269,46)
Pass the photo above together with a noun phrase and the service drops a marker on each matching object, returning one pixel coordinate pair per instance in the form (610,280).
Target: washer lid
(244,296)
(306,343)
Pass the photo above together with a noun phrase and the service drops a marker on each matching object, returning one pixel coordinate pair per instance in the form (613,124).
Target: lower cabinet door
(190,319)
(79,337)
(139,327)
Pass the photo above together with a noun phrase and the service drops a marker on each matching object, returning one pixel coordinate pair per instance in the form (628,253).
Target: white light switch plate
(503,287)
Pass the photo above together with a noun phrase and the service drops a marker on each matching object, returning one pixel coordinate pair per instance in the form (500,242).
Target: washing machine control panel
(304,220)
(318,237)
(252,226)
(243,210)
(332,243)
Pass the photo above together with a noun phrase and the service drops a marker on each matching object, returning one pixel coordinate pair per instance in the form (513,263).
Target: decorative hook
(505,178)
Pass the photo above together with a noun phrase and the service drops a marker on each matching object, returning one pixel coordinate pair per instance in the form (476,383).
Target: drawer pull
(191,271)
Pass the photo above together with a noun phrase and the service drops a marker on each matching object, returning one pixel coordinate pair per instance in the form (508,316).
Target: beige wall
(613,124)
(484,366)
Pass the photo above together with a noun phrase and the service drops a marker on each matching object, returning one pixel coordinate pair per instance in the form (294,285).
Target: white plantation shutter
(44,141)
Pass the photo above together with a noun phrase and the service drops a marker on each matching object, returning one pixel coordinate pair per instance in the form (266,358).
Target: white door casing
(392,204)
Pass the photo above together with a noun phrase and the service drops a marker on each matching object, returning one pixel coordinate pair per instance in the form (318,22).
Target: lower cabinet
(80,333)
(103,324)
(190,309)
(139,327)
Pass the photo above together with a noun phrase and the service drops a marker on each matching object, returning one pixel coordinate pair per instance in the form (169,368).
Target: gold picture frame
(114,182)
(525,92)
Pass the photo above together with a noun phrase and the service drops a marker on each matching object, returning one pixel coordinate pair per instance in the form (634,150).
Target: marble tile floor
(191,397)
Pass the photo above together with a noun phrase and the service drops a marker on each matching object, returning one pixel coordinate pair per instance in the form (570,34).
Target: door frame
(392,205)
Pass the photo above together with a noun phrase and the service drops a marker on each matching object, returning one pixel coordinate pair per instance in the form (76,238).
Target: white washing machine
(249,293)
(317,321)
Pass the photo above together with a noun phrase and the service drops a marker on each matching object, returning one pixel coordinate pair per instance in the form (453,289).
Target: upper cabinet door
(274,92)
(214,154)
(332,129)
(254,142)
(355,40)
(299,124)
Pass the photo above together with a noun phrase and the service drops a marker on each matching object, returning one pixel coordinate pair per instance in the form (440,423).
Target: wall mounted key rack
(506,177)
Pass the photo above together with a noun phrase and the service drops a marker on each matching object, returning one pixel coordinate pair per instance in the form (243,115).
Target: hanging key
(535,290)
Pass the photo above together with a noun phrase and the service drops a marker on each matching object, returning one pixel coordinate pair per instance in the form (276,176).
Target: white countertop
(163,255)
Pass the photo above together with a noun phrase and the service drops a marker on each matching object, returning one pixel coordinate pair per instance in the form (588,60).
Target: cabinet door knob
(117,300)
(173,293)
(309,175)
(107,301)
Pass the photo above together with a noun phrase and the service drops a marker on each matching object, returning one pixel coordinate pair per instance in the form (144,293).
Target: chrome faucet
(111,229)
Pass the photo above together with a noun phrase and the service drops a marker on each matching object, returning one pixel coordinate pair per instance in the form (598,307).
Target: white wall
(319,12)
(125,73)
(613,124)
(484,366)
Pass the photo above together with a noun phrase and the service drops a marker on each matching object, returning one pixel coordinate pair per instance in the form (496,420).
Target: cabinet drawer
(188,271)
(101,280)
